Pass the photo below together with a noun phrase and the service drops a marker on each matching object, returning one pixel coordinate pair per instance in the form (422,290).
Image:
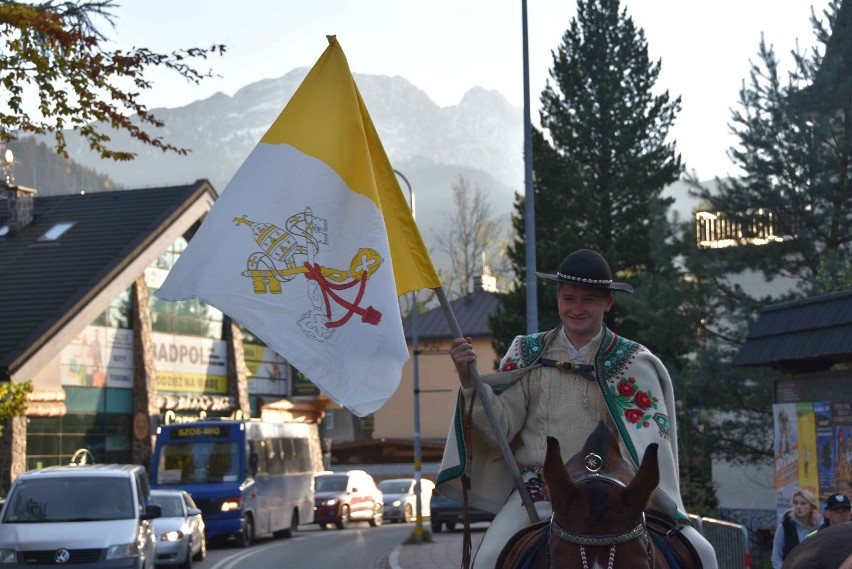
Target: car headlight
(396,503)
(173,535)
(122,551)
(330,502)
(231,504)
(8,555)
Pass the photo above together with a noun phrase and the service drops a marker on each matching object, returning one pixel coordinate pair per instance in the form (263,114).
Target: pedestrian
(838,509)
(796,524)
(562,383)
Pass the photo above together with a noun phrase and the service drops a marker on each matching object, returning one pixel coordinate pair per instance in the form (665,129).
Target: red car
(344,497)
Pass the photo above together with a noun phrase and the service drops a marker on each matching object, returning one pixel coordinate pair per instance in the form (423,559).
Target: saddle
(665,532)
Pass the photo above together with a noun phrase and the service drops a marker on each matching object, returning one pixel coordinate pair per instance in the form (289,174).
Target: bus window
(183,463)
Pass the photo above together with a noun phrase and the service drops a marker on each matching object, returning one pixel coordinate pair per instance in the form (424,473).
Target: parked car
(400,499)
(343,497)
(179,531)
(93,515)
(447,513)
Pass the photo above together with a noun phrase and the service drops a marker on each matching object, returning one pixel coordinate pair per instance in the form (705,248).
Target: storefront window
(54,440)
(117,315)
(186,317)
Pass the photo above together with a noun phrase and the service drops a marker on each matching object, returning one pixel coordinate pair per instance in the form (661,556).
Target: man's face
(582,309)
(838,516)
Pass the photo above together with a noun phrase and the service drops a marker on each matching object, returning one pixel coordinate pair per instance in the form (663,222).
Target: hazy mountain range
(480,138)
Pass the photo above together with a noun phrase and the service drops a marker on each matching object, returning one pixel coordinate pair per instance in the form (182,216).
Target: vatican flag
(311,243)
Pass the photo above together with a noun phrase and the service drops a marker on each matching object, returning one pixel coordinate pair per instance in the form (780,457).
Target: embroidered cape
(638,393)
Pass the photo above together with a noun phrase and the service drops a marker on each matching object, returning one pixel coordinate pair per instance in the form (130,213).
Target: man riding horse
(561,383)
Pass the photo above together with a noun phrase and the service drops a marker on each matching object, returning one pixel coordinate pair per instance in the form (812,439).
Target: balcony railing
(715,230)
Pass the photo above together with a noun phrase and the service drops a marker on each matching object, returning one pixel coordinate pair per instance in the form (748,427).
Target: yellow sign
(182,382)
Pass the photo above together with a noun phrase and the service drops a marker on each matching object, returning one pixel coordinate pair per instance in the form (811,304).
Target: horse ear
(558,482)
(646,480)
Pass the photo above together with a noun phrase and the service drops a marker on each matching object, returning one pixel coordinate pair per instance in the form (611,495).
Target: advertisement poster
(268,371)
(825,440)
(99,357)
(806,425)
(786,454)
(842,415)
(190,364)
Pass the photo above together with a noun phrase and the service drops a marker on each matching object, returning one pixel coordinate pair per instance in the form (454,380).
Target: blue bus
(249,478)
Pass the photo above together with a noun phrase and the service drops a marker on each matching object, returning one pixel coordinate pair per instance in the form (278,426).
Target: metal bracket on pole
(489,412)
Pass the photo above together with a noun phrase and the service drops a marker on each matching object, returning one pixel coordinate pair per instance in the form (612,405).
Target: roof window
(57,231)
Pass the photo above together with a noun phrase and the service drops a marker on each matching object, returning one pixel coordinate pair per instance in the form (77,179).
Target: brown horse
(599,517)
(829,548)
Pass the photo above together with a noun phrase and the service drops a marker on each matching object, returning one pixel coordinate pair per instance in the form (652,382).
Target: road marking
(233,560)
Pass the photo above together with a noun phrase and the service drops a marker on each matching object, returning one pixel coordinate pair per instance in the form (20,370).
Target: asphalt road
(357,547)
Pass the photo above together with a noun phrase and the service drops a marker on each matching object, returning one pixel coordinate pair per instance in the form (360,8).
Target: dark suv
(343,497)
(447,512)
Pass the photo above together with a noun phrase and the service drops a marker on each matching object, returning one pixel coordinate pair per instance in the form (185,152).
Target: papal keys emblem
(289,253)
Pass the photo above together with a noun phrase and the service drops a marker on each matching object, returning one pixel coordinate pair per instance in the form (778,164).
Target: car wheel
(437,527)
(451,526)
(245,537)
(378,516)
(407,514)
(344,519)
(202,551)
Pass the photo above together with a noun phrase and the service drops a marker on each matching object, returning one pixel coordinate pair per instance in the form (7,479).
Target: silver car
(179,530)
(401,499)
(80,516)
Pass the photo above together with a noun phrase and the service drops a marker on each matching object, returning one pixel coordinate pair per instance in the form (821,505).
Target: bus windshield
(199,462)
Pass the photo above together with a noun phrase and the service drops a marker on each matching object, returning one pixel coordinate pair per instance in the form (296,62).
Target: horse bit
(593,464)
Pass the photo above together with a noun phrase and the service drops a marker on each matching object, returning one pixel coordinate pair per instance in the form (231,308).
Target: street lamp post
(418,527)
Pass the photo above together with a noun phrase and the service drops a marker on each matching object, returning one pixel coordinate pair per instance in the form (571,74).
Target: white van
(86,516)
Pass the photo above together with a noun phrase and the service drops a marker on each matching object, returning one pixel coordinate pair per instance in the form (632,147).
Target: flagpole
(489,412)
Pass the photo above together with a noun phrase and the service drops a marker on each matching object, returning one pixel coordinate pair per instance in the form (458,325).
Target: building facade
(109,361)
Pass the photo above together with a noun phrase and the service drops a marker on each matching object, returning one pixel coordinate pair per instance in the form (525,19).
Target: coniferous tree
(600,164)
(791,219)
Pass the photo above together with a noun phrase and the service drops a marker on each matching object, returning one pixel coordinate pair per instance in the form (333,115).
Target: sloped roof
(472,312)
(45,284)
(808,334)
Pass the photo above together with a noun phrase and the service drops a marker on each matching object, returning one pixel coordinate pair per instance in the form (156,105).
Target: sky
(446,47)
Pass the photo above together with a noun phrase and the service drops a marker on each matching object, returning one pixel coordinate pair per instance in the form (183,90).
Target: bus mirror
(253,460)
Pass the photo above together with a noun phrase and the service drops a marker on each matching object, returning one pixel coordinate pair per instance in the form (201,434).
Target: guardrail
(730,541)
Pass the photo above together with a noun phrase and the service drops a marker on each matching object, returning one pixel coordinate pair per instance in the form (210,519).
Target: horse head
(598,504)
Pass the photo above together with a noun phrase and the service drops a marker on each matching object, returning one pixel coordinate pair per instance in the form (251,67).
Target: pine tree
(791,212)
(600,164)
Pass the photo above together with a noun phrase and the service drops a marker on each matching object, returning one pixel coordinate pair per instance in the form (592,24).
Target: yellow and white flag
(312,241)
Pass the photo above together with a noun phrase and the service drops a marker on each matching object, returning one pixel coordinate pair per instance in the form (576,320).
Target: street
(359,546)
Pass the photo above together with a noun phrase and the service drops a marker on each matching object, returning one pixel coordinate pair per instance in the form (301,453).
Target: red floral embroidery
(642,400)
(509,366)
(634,403)
(633,415)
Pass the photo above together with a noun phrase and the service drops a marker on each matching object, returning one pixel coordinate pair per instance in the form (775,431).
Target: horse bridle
(612,540)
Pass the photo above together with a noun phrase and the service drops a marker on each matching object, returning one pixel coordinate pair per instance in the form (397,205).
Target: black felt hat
(586,268)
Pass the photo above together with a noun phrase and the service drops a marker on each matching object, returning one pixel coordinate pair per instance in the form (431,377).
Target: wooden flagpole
(489,412)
